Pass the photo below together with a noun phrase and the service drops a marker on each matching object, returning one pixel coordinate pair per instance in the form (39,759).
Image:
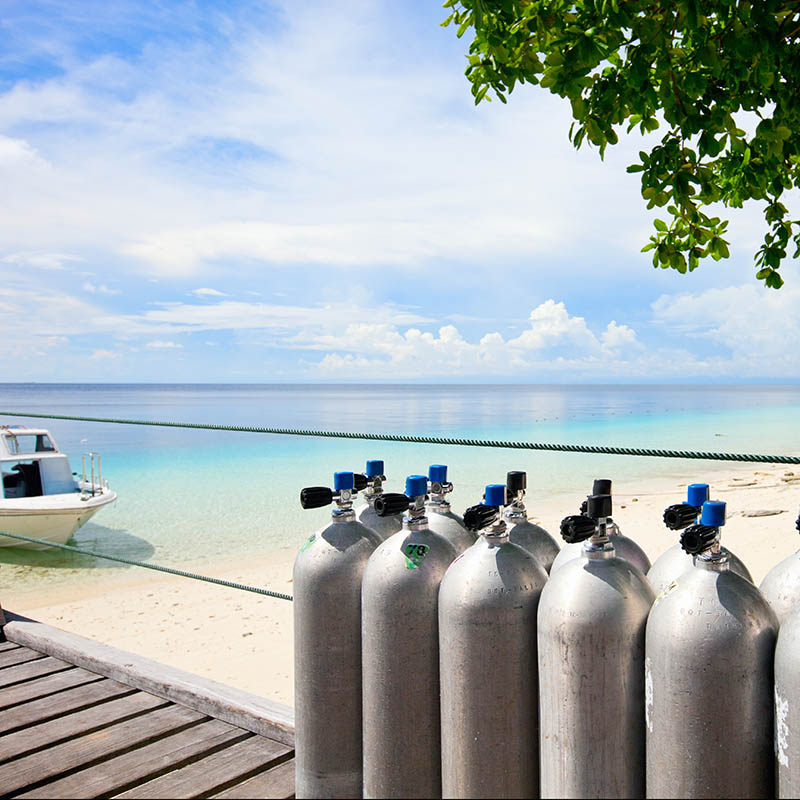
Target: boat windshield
(23,443)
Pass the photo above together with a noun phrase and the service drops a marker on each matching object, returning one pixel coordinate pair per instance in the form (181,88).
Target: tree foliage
(701,71)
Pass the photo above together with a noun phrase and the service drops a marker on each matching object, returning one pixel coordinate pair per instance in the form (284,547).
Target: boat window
(18,443)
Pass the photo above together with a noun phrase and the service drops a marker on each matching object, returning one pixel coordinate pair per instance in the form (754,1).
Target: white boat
(41,497)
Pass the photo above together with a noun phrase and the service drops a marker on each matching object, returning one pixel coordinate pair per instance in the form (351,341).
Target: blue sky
(243,191)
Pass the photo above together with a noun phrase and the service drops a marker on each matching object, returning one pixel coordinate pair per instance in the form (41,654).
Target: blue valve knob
(713,514)
(697,494)
(495,495)
(437,473)
(374,469)
(416,485)
(343,481)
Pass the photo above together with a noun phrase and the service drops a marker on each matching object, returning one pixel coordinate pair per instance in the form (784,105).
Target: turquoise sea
(202,500)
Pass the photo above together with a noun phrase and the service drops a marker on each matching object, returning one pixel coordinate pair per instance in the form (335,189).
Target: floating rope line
(132,562)
(458,442)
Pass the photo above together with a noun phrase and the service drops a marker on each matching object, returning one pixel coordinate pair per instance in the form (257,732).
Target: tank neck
(419,523)
(496,535)
(438,505)
(516,512)
(712,561)
(343,514)
(599,546)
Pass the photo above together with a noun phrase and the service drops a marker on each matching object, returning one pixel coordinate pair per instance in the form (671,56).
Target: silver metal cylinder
(591,628)
(670,565)
(487,649)
(709,676)
(626,548)
(443,521)
(781,586)
(400,656)
(533,538)
(383,526)
(327,652)
(787,707)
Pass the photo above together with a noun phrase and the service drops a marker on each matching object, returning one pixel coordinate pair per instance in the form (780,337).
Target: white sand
(245,640)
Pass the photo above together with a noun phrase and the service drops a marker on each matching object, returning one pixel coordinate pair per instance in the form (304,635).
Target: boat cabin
(32,464)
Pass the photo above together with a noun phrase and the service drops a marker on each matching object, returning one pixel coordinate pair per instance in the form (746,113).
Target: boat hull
(54,521)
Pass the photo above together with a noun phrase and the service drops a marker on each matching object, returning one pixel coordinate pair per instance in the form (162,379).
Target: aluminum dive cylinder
(487,651)
(400,652)
(440,517)
(787,706)
(709,677)
(781,586)
(327,646)
(626,548)
(535,539)
(373,480)
(675,561)
(591,628)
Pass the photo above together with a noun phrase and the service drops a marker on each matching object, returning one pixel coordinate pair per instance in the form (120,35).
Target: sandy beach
(245,640)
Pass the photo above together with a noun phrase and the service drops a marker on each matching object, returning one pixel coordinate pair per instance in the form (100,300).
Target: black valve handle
(598,505)
(516,482)
(679,516)
(797,524)
(360,481)
(601,486)
(478,517)
(316,497)
(577,529)
(697,538)
(391,503)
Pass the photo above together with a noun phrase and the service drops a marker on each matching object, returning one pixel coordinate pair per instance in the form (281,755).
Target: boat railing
(89,486)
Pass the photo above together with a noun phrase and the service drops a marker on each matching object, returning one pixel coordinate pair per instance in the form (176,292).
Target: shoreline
(245,640)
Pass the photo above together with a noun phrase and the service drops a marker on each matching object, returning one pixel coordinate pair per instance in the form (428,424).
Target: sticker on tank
(415,554)
(308,542)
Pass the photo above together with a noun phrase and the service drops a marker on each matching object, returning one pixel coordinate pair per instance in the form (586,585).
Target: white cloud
(39,259)
(160,344)
(104,355)
(101,289)
(208,293)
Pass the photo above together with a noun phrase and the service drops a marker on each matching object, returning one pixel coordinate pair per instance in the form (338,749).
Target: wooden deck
(71,732)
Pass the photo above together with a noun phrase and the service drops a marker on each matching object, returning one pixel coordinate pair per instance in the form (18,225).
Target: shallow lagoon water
(201,499)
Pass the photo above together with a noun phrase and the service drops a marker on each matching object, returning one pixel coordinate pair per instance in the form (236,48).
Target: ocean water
(203,500)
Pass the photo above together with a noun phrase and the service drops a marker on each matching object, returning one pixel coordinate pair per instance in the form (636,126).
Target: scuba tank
(787,706)
(440,518)
(591,627)
(537,541)
(781,587)
(626,548)
(371,483)
(400,652)
(709,667)
(327,645)
(675,561)
(487,651)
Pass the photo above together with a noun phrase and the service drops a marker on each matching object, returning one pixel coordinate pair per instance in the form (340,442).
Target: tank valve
(371,481)
(488,512)
(360,481)
(600,486)
(438,486)
(343,493)
(704,537)
(681,515)
(412,501)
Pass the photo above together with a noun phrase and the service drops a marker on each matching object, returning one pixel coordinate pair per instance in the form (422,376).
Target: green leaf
(660,225)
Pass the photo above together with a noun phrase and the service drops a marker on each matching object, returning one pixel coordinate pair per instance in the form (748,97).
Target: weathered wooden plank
(277,783)
(79,723)
(18,656)
(7,646)
(46,708)
(50,684)
(31,670)
(245,710)
(144,763)
(215,772)
(37,768)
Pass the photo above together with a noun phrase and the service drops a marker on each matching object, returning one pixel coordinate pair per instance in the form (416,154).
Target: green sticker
(415,554)
(308,542)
